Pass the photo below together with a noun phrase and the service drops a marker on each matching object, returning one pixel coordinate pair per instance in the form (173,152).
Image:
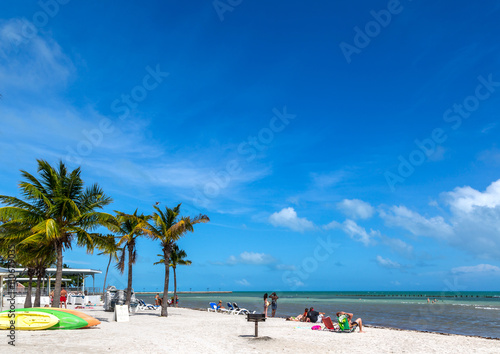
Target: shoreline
(189,330)
(364,325)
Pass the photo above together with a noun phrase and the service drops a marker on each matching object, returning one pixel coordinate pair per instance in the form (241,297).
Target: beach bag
(316,328)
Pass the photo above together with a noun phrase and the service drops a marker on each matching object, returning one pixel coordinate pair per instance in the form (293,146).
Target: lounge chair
(143,306)
(213,307)
(232,310)
(241,311)
(342,326)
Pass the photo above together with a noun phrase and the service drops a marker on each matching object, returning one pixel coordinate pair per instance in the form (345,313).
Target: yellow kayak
(28,321)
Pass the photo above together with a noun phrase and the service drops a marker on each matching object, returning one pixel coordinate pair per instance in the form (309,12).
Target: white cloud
(466,199)
(358,233)
(480,268)
(288,218)
(243,282)
(252,258)
(356,209)
(415,223)
(472,222)
(387,263)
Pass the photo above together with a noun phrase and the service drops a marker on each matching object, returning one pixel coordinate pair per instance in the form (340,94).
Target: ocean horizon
(471,313)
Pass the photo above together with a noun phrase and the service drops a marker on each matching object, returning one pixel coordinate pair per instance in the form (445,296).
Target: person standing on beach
(274,304)
(266,304)
(63,298)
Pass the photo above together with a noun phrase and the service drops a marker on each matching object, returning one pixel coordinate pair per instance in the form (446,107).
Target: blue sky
(333,146)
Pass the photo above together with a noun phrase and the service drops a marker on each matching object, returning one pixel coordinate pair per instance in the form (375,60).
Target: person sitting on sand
(314,316)
(359,322)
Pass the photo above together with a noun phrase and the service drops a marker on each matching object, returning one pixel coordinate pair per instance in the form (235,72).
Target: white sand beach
(192,331)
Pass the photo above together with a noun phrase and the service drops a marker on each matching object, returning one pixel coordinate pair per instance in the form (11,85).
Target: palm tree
(108,246)
(56,210)
(131,226)
(177,257)
(169,228)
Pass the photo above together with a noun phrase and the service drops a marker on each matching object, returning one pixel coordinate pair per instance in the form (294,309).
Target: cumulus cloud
(472,222)
(467,199)
(356,209)
(480,268)
(387,263)
(415,223)
(288,218)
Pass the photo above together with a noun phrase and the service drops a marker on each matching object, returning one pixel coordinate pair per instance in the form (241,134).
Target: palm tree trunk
(129,287)
(38,290)
(57,285)
(164,304)
(175,288)
(27,302)
(104,285)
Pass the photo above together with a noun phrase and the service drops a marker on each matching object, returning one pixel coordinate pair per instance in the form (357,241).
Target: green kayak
(66,320)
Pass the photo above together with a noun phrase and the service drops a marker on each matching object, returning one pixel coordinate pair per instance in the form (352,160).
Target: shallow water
(471,313)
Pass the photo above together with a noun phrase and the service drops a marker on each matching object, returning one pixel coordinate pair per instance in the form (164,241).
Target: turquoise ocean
(465,313)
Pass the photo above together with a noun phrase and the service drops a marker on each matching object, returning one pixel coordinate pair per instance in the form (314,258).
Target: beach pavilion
(51,274)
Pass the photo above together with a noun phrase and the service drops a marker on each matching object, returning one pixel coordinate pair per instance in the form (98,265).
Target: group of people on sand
(313,316)
(274,303)
(159,300)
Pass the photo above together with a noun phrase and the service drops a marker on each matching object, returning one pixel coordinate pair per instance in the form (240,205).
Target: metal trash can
(109,306)
(118,297)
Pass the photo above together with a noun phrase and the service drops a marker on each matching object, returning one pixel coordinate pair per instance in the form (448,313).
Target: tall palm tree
(131,226)
(108,246)
(169,227)
(57,209)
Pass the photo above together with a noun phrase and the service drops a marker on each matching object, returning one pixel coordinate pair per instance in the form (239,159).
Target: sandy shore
(191,331)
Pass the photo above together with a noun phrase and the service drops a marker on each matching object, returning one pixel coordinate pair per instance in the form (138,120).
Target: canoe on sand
(27,321)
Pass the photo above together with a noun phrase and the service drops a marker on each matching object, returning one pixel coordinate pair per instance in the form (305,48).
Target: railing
(44,292)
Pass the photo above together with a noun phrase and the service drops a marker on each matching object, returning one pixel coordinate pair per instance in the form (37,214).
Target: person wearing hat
(274,304)
(219,305)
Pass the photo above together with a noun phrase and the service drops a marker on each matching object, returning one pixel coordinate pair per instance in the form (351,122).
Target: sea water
(465,313)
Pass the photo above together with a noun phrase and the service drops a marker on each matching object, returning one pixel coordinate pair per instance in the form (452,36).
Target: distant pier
(184,292)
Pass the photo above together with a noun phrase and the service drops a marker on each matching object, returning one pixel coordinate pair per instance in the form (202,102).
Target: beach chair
(143,306)
(232,310)
(241,311)
(343,325)
(213,307)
